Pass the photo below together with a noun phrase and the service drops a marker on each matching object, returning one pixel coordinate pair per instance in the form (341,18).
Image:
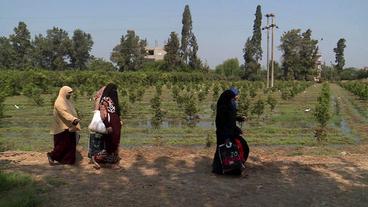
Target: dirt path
(168,176)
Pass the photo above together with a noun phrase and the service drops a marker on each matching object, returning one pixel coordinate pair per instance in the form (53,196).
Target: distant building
(154,54)
(318,67)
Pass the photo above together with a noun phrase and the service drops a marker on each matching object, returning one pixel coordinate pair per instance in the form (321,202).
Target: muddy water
(346,130)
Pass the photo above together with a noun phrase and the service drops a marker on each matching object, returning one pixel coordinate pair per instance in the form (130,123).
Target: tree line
(299,56)
(54,51)
(58,51)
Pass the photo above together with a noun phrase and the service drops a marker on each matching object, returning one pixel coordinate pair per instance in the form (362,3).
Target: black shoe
(51,161)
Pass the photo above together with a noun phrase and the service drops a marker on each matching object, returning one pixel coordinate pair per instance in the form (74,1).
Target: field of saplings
(179,109)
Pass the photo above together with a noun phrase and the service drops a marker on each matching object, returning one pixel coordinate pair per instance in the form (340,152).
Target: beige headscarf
(64,113)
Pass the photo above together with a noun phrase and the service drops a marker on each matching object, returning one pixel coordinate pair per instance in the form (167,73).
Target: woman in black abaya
(226,129)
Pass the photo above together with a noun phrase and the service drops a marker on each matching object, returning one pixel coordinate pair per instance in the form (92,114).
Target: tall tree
(81,47)
(194,61)
(299,54)
(186,34)
(339,55)
(129,54)
(250,64)
(257,34)
(7,54)
(290,46)
(21,42)
(308,55)
(53,51)
(189,46)
(253,49)
(172,58)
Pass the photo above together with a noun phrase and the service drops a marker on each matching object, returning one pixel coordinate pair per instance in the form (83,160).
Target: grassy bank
(17,190)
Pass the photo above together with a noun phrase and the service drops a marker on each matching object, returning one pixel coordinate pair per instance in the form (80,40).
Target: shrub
(258,108)
(271,101)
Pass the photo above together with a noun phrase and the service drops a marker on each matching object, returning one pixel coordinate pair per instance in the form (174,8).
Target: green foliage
(175,92)
(244,105)
(99,64)
(2,99)
(202,94)
(299,54)
(51,51)
(140,92)
(216,90)
(172,58)
(253,49)
(158,113)
(80,48)
(21,43)
(257,34)
(129,54)
(289,89)
(271,101)
(258,107)
(189,46)
(252,67)
(124,106)
(190,109)
(252,92)
(17,190)
(229,68)
(358,88)
(209,140)
(339,55)
(7,53)
(322,112)
(286,94)
(132,96)
(158,89)
(34,92)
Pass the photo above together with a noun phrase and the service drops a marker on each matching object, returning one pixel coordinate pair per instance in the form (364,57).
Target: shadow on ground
(182,177)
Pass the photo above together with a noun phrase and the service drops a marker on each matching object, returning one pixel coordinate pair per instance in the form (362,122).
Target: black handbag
(96,144)
(229,157)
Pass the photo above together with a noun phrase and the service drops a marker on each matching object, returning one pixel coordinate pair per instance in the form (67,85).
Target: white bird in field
(17,107)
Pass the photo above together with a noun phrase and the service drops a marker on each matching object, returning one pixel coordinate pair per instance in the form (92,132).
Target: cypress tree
(189,46)
(339,55)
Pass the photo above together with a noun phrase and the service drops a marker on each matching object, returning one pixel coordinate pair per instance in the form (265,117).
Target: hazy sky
(221,26)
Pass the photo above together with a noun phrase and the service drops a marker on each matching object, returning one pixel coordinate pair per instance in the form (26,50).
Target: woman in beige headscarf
(64,128)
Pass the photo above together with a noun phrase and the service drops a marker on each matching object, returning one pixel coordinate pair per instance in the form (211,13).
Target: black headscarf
(225,99)
(111,91)
(225,117)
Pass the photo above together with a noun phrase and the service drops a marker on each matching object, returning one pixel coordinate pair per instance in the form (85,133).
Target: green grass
(27,128)
(17,190)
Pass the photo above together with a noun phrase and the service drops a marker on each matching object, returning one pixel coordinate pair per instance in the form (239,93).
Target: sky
(221,26)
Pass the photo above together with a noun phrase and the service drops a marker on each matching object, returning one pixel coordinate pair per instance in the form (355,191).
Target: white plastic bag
(96,124)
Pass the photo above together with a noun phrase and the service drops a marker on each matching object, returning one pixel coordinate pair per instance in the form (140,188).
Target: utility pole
(272,50)
(268,49)
(271,26)
(270,75)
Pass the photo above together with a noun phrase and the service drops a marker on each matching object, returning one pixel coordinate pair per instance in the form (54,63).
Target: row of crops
(358,88)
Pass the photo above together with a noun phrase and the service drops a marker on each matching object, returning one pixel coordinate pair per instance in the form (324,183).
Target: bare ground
(173,176)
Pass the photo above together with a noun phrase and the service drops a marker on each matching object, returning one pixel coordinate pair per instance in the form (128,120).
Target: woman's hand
(109,130)
(240,118)
(75,122)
